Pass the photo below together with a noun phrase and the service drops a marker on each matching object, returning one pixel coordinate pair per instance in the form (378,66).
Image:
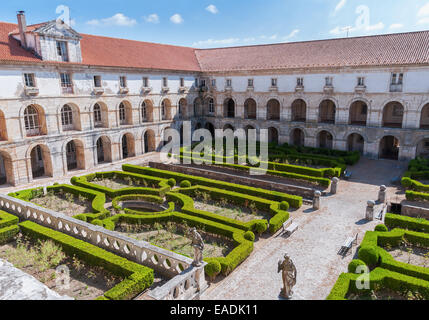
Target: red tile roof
(391,49)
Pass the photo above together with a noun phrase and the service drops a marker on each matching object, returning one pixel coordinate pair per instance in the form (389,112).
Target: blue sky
(220,23)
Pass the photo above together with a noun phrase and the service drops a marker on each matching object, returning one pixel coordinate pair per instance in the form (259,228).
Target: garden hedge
(408,223)
(8,226)
(137,277)
(294,201)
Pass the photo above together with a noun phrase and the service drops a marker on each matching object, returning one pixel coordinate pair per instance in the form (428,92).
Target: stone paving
(18,285)
(314,246)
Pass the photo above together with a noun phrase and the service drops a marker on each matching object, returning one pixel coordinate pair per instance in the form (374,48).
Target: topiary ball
(284,206)
(369,255)
(261,226)
(381,228)
(171,182)
(354,264)
(185,184)
(249,235)
(212,269)
(97,222)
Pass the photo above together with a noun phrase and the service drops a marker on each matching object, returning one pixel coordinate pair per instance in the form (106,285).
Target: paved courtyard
(314,246)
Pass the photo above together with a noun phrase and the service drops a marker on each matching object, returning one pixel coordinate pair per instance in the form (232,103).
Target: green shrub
(249,235)
(212,268)
(172,182)
(354,264)
(97,222)
(381,228)
(369,255)
(185,184)
(284,206)
(260,226)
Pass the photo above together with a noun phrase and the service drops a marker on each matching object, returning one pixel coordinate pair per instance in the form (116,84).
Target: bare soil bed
(384,294)
(173,238)
(242,214)
(64,203)
(411,255)
(41,260)
(118,183)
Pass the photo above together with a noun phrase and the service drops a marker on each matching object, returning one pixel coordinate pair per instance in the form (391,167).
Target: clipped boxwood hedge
(137,277)
(8,226)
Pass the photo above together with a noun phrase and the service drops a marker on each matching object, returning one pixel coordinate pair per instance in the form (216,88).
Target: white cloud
(340,5)
(152,18)
(212,42)
(212,8)
(118,19)
(395,26)
(291,35)
(176,18)
(424,11)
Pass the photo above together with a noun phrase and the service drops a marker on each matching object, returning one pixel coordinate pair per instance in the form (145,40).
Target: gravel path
(314,246)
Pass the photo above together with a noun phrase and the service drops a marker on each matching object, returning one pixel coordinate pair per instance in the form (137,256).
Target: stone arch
(299,110)
(229,108)
(34,121)
(250,107)
(297,137)
(40,159)
(100,115)
(125,110)
(149,144)
(74,153)
(6,168)
(103,149)
(393,115)
(146,110)
(389,148)
(70,117)
(327,111)
(358,113)
(273,135)
(166,109)
(128,146)
(424,117)
(325,140)
(209,126)
(273,109)
(228,126)
(355,142)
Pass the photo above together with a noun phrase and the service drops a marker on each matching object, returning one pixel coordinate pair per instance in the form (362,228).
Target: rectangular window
(182,82)
(213,83)
(66,83)
(165,82)
(300,82)
(274,82)
(145,82)
(250,82)
(196,82)
(62,50)
(228,82)
(97,81)
(397,78)
(123,81)
(328,81)
(203,83)
(361,81)
(29,80)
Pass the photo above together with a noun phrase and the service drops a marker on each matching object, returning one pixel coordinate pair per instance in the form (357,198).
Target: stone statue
(287,267)
(198,244)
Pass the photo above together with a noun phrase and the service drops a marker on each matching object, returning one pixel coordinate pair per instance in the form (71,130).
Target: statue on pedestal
(288,269)
(198,244)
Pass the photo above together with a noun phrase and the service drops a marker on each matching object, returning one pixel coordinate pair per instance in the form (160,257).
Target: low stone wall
(232,176)
(414,210)
(166,263)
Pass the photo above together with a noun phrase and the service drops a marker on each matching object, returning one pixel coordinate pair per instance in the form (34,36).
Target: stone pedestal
(316,200)
(370,211)
(382,195)
(334,185)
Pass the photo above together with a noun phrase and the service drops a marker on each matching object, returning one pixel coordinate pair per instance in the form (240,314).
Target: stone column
(334,185)
(370,210)
(316,200)
(382,194)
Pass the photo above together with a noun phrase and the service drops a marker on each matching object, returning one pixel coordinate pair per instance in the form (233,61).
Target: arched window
(31,120)
(122,114)
(67,117)
(97,116)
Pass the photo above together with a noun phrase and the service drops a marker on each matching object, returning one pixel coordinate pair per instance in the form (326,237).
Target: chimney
(22,28)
